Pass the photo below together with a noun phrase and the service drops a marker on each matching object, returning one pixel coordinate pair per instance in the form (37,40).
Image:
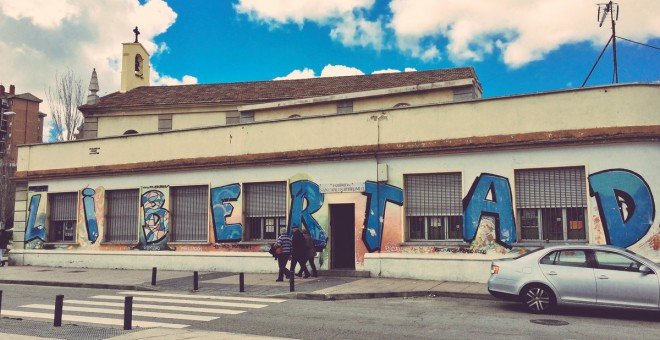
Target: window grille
(189,211)
(265,209)
(122,209)
(434,206)
(63,212)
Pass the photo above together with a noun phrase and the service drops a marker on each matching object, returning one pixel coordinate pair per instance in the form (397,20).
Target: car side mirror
(645,270)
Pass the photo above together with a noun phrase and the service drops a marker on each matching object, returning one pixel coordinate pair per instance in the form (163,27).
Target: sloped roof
(25,96)
(269,91)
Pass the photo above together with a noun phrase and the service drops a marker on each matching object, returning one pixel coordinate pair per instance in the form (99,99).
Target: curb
(381,295)
(77,285)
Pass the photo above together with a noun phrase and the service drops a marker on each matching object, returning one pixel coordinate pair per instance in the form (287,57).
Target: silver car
(585,275)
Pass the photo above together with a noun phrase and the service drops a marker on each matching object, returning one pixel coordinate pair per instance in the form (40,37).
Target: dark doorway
(342,236)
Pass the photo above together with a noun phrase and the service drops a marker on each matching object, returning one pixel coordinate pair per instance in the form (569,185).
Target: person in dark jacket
(283,241)
(311,253)
(299,253)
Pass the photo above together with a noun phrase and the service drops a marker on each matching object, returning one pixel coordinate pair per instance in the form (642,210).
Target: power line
(639,43)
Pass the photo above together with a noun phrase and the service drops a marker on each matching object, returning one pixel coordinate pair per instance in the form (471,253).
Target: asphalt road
(394,318)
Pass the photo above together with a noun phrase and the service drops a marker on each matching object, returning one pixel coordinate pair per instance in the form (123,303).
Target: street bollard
(0,303)
(128,313)
(241,283)
(195,281)
(153,276)
(59,303)
(291,282)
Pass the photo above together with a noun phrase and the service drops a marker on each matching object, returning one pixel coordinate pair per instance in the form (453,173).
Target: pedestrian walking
(284,242)
(299,253)
(310,252)
(5,236)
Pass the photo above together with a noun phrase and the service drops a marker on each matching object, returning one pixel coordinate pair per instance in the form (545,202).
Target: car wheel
(538,299)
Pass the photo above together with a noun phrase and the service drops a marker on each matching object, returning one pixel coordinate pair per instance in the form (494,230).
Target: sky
(515,46)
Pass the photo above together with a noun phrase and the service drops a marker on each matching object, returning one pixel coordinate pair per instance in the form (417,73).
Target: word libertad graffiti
(624,201)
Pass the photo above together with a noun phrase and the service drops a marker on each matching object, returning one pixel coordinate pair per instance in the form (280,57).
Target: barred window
(265,209)
(189,211)
(62,217)
(434,206)
(551,203)
(345,106)
(122,219)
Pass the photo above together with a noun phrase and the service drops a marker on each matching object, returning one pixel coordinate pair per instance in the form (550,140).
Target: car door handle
(552,273)
(603,277)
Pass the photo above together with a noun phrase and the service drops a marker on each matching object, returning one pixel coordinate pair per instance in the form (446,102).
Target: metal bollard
(0,303)
(59,303)
(195,281)
(241,283)
(153,276)
(291,282)
(128,313)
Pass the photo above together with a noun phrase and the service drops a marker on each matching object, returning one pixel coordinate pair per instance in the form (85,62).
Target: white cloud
(43,37)
(462,31)
(339,71)
(298,11)
(336,71)
(41,13)
(354,30)
(389,70)
(298,74)
(344,17)
(521,31)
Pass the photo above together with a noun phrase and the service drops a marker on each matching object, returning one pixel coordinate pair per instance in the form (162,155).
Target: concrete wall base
(428,267)
(163,260)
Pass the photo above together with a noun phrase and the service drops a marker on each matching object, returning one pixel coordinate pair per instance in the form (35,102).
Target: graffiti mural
(91,224)
(623,210)
(490,195)
(378,194)
(625,204)
(35,230)
(155,218)
(301,192)
(221,209)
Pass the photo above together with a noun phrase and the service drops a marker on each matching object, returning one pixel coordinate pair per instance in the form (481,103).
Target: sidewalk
(323,287)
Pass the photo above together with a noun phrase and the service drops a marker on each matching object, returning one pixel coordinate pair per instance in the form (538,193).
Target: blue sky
(515,46)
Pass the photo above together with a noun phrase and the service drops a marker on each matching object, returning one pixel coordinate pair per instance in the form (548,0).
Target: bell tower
(135,66)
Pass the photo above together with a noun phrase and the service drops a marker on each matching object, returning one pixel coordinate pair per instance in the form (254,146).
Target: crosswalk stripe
(87,319)
(67,308)
(182,301)
(209,297)
(161,307)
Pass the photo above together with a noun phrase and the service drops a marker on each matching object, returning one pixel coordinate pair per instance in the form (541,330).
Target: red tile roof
(269,91)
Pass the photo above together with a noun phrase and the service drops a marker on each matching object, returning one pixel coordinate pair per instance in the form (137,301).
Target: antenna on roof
(611,9)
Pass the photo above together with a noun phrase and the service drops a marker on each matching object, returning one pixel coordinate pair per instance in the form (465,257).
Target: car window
(613,261)
(566,257)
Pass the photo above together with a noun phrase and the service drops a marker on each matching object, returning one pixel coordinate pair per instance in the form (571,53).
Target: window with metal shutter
(434,206)
(62,216)
(122,217)
(551,188)
(265,209)
(437,194)
(265,199)
(189,212)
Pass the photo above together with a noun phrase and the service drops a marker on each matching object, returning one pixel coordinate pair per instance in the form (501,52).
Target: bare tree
(64,99)
(7,192)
